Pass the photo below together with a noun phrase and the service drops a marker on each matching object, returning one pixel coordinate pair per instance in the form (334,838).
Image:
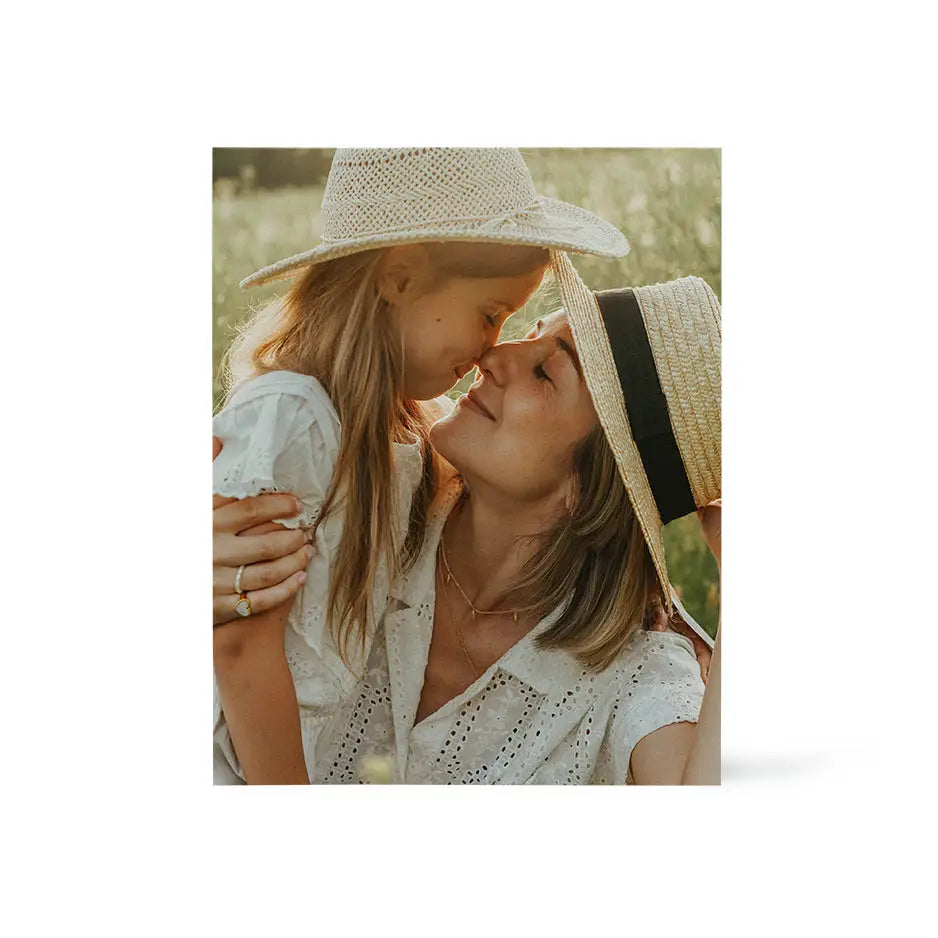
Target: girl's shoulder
(279,432)
(279,405)
(288,383)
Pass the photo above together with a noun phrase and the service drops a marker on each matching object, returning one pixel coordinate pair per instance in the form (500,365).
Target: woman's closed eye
(540,374)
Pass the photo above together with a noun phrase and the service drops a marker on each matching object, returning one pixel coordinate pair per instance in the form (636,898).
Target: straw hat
(380,197)
(651,360)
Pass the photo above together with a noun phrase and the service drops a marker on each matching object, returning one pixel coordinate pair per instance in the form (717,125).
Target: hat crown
(376,191)
(683,324)
(681,320)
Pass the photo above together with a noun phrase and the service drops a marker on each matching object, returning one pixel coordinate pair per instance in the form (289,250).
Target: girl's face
(517,428)
(447,326)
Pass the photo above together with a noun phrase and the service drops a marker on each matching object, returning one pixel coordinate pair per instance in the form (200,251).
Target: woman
(521,646)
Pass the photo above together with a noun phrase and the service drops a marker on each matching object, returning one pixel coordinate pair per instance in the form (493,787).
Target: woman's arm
(703,763)
(255,686)
(259,700)
(688,753)
(684,753)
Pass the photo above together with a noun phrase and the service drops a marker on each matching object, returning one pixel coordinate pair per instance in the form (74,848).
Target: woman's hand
(681,752)
(677,624)
(710,525)
(701,648)
(274,557)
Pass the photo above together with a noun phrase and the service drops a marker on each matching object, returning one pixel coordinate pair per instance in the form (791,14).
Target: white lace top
(534,717)
(280,433)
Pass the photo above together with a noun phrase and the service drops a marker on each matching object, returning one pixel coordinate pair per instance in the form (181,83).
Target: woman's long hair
(334,325)
(595,563)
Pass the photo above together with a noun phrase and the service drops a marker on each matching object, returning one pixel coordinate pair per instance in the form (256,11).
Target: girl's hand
(710,525)
(274,557)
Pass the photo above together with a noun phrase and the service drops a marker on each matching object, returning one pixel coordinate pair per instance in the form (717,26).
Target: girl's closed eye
(499,315)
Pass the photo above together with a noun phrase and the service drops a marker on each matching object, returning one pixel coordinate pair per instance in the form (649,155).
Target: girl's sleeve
(662,685)
(281,434)
(277,437)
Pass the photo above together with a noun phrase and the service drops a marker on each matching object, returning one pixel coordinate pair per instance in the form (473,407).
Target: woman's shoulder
(648,666)
(652,663)
(656,683)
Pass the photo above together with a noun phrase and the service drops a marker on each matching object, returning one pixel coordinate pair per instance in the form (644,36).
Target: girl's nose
(490,336)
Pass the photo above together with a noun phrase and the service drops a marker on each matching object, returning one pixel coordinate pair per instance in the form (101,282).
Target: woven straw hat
(651,360)
(381,197)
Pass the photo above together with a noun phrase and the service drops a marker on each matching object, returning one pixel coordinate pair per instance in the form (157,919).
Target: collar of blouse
(542,670)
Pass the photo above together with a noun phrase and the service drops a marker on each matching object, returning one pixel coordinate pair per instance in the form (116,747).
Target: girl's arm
(258,698)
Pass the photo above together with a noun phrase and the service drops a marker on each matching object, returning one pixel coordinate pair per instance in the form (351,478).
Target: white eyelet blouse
(280,433)
(534,717)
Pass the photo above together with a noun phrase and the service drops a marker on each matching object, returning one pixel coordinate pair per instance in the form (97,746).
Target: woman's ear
(570,490)
(402,272)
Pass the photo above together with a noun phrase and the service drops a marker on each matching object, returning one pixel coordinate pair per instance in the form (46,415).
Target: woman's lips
(477,406)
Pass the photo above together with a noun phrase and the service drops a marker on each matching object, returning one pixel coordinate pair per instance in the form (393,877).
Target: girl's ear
(403,272)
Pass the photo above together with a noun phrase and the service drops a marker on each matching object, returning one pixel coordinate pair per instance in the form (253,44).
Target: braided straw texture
(683,323)
(599,370)
(381,197)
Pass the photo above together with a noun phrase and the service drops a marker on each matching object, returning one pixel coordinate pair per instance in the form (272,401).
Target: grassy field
(666,201)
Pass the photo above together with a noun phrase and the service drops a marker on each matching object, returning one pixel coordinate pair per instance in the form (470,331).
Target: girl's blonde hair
(595,561)
(335,325)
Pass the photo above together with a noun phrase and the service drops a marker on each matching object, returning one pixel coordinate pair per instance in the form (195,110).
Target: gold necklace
(462,592)
(462,643)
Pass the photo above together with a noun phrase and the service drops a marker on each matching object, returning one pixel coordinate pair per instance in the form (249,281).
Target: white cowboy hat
(651,360)
(379,197)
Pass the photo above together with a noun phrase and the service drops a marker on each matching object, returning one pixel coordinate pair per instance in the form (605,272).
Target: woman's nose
(505,360)
(489,362)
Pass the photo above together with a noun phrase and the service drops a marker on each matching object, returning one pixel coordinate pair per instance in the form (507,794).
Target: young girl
(425,253)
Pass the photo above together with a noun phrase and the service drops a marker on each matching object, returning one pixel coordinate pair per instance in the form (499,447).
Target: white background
(825,821)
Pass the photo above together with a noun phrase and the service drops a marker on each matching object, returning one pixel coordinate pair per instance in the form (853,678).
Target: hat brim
(558,225)
(601,376)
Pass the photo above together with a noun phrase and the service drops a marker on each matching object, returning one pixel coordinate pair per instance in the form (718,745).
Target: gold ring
(243,605)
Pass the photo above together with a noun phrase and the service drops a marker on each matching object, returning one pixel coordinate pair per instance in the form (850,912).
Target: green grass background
(666,201)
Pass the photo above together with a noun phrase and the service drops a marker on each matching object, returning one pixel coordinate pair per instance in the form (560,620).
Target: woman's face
(518,426)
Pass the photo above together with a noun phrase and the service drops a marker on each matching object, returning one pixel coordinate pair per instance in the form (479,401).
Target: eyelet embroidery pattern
(280,434)
(506,732)
(540,719)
